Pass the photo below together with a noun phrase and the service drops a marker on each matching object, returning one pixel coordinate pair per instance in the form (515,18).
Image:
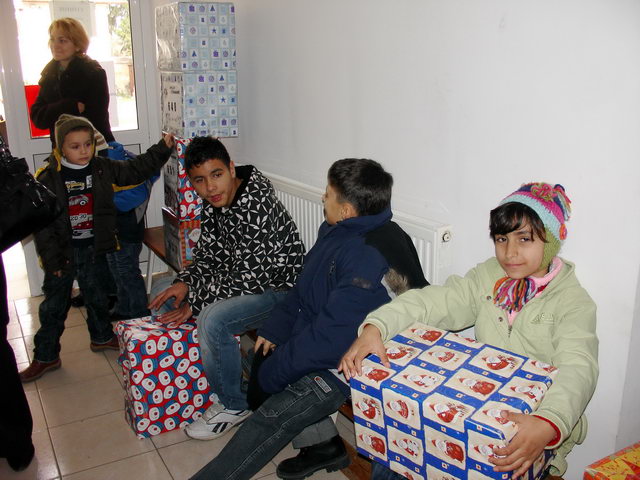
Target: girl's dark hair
(203,149)
(363,183)
(513,215)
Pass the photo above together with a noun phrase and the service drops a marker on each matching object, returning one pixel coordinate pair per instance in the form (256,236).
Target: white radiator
(431,239)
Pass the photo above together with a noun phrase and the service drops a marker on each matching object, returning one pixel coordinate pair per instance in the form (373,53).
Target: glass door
(114,28)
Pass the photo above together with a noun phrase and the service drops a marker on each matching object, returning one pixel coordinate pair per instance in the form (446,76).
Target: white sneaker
(215,422)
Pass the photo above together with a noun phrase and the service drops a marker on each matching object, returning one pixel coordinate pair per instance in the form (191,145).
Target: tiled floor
(78,411)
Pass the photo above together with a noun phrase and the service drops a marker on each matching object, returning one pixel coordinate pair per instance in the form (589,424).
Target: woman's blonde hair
(72,29)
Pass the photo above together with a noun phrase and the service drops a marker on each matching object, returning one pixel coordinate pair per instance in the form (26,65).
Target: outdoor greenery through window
(108,25)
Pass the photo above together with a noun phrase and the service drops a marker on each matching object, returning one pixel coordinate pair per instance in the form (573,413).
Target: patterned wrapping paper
(164,383)
(199,104)
(436,413)
(196,36)
(180,238)
(622,465)
(179,195)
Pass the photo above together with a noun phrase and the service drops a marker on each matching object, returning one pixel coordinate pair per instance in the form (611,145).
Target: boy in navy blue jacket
(359,262)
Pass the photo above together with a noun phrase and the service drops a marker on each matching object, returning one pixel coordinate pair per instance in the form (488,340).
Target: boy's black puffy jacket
(53,243)
(354,267)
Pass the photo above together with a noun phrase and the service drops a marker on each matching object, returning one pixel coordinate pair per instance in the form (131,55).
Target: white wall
(464,100)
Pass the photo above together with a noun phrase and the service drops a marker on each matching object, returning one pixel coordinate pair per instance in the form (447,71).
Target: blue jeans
(270,428)
(88,269)
(131,290)
(380,472)
(217,324)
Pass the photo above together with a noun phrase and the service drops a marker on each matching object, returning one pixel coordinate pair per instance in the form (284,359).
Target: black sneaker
(330,456)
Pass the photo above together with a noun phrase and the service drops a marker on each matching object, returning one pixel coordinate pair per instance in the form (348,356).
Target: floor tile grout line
(107,463)
(75,382)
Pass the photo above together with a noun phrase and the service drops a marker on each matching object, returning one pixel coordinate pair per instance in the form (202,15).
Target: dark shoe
(330,456)
(37,368)
(22,461)
(112,302)
(77,301)
(110,345)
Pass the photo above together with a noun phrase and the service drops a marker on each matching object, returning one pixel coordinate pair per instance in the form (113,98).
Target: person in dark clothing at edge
(360,261)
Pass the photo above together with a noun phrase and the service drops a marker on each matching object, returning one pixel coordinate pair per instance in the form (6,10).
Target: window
(109,28)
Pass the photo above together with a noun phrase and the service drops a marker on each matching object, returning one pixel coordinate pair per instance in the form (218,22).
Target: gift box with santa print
(180,238)
(436,413)
(164,382)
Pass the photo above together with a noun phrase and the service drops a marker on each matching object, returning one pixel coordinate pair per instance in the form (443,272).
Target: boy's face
(215,182)
(332,206)
(78,147)
(520,253)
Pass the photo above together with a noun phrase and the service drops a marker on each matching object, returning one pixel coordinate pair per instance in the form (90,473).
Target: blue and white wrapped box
(436,412)
(196,36)
(200,104)
(164,382)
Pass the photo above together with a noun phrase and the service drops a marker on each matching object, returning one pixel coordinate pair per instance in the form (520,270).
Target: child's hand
(369,341)
(168,140)
(265,344)
(533,435)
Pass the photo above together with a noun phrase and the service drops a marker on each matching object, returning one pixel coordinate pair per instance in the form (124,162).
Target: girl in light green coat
(526,300)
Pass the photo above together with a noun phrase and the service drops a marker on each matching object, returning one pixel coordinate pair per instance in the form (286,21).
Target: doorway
(116,41)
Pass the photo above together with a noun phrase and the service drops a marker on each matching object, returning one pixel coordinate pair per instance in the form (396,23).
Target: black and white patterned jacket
(247,248)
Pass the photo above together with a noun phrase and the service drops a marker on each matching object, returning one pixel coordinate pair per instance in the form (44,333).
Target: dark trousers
(89,270)
(132,291)
(271,427)
(15,417)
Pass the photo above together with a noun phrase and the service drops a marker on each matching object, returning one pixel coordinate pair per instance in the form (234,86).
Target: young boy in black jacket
(75,244)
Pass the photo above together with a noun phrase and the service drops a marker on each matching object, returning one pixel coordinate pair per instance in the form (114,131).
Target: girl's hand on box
(168,140)
(533,436)
(369,341)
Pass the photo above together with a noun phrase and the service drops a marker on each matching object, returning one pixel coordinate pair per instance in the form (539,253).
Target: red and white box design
(179,194)
(436,412)
(180,238)
(164,382)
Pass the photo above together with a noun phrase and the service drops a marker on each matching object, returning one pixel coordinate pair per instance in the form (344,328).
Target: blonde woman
(72,82)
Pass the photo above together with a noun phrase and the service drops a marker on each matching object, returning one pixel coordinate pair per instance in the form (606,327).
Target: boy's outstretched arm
(534,434)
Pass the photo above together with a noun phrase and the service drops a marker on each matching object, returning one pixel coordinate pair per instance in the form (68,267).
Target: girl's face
(62,47)
(520,253)
(78,147)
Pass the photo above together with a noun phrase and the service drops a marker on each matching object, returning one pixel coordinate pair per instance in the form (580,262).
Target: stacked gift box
(164,382)
(436,413)
(197,60)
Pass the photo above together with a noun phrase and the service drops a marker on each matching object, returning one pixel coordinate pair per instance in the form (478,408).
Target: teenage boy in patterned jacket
(248,256)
